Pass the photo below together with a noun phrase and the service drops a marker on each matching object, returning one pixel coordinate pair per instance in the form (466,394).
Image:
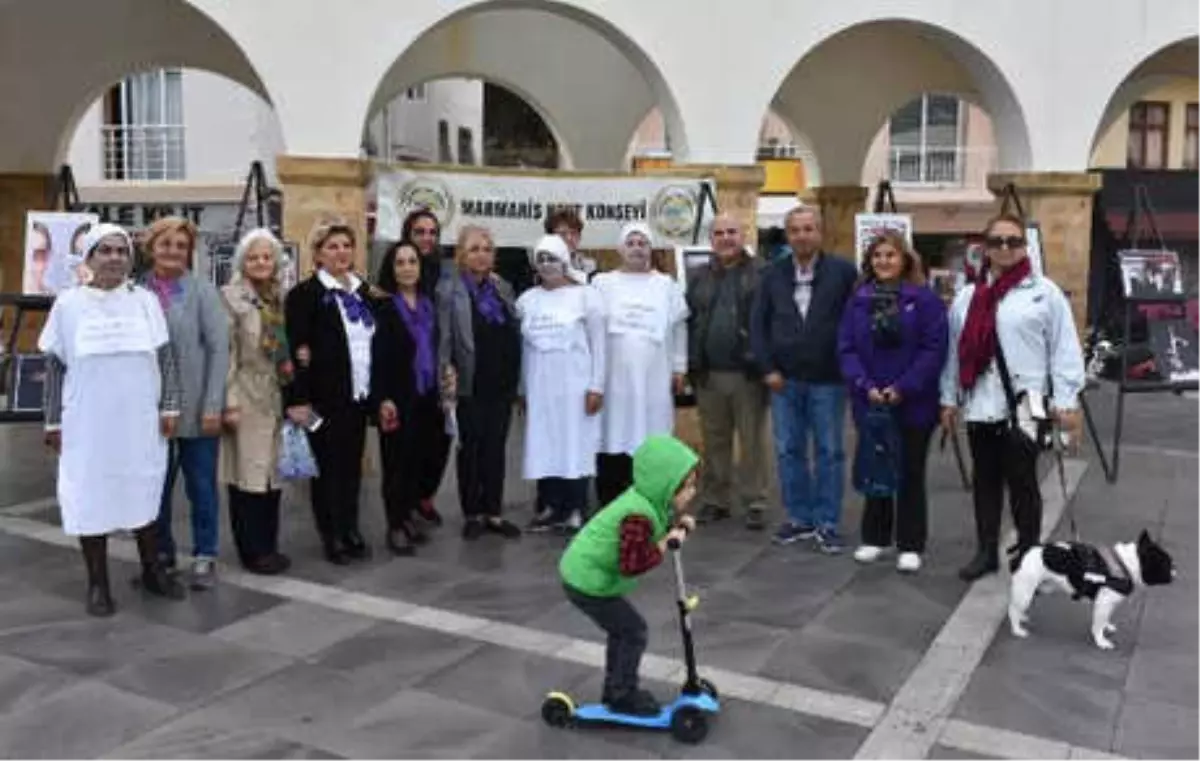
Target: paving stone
(184,741)
(1151,729)
(294,629)
(23,684)
(389,654)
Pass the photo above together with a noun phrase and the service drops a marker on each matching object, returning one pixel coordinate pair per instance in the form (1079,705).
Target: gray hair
(247,242)
(813,211)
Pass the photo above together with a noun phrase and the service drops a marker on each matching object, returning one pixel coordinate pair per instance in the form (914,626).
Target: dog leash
(1061,466)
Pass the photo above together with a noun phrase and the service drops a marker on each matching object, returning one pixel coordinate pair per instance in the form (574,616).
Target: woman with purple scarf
(891,347)
(479,353)
(404,393)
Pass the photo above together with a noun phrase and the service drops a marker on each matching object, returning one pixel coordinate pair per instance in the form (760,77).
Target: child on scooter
(622,541)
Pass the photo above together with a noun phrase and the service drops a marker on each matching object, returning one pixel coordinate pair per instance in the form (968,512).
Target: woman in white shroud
(111,400)
(647,358)
(562,377)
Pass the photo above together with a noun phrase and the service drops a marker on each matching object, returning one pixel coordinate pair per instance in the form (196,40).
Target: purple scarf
(487,299)
(168,290)
(419,322)
(356,309)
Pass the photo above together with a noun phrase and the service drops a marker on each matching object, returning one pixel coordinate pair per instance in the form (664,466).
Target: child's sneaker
(829,542)
(790,532)
(636,703)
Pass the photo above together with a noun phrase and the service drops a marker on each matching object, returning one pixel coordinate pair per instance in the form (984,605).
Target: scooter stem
(692,685)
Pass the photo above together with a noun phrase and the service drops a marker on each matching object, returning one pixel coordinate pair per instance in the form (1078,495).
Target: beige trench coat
(250,452)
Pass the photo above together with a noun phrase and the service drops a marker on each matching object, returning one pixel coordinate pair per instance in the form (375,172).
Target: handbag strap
(1006,380)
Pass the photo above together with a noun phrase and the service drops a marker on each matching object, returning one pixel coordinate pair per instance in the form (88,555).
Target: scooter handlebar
(674,544)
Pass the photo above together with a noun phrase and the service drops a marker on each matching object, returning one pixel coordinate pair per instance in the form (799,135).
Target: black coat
(393,352)
(314,321)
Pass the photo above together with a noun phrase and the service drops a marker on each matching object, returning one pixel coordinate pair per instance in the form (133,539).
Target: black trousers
(997,463)
(338,448)
(627,638)
(614,474)
(562,495)
(908,514)
(435,445)
(482,439)
(254,517)
(412,460)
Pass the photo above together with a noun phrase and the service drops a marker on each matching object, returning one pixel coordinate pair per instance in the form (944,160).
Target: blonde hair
(465,233)
(169,226)
(326,228)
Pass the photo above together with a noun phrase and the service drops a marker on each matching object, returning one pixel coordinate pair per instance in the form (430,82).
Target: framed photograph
(945,283)
(867,227)
(1175,352)
(1149,274)
(54,251)
(688,259)
(29,378)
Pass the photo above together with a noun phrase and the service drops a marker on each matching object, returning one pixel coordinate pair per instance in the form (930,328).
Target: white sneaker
(868,553)
(908,562)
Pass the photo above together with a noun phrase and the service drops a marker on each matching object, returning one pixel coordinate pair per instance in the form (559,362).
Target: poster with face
(1149,274)
(53,251)
(868,227)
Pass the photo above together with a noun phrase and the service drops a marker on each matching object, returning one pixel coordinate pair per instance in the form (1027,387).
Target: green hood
(660,465)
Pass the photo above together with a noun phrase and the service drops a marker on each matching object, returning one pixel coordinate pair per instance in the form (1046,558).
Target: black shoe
(712,514)
(401,544)
(636,703)
(473,529)
(546,520)
(156,581)
(755,520)
(413,532)
(100,602)
(356,546)
(981,565)
(269,565)
(503,528)
(336,553)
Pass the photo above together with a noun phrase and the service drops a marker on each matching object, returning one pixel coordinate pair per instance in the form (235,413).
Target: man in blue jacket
(793,334)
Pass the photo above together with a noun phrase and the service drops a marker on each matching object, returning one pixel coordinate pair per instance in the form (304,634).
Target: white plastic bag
(296,460)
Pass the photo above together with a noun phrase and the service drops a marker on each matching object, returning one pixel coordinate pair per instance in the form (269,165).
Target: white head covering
(247,242)
(556,247)
(636,228)
(100,232)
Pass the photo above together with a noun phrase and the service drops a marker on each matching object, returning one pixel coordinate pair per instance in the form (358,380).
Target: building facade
(1053,79)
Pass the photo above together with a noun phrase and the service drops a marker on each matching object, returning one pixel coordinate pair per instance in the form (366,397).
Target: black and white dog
(1082,570)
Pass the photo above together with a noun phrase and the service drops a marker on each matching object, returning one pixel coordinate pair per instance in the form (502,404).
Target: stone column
(320,188)
(20,193)
(1061,204)
(838,205)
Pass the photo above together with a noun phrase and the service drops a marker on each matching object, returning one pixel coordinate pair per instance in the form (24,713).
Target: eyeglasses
(1006,241)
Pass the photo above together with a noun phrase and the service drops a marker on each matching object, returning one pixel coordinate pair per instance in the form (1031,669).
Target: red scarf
(977,344)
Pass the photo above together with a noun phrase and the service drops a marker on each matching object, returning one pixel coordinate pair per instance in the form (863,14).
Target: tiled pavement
(251,673)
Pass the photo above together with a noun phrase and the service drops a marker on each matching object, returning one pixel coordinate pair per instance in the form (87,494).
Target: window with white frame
(925,137)
(416,92)
(143,127)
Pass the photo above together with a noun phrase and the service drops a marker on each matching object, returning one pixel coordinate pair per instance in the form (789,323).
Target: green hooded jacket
(591,563)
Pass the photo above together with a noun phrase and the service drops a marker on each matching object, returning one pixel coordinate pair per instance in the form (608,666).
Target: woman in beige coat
(259,366)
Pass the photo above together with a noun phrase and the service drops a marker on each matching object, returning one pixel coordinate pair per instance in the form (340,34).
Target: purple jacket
(913,367)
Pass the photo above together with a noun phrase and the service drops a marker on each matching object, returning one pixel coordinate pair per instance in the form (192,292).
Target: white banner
(514,207)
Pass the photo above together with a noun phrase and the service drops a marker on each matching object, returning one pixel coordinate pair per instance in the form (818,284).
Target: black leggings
(909,513)
(997,463)
(338,448)
(413,459)
(483,436)
(627,638)
(254,517)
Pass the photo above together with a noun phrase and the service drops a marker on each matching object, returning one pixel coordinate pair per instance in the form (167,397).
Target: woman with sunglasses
(1015,322)
(891,348)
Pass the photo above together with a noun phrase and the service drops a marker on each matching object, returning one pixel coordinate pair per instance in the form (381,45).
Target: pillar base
(838,204)
(320,188)
(1061,204)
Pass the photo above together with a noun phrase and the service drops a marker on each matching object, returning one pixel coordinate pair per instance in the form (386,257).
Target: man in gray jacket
(729,395)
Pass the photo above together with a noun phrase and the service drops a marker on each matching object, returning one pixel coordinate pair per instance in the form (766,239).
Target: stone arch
(483,39)
(862,57)
(65,86)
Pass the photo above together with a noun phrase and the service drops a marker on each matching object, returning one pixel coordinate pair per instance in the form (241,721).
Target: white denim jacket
(1037,331)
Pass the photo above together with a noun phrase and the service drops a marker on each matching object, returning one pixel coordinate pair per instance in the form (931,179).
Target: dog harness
(1086,568)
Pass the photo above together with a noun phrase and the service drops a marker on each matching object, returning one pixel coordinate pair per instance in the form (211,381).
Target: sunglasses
(1009,242)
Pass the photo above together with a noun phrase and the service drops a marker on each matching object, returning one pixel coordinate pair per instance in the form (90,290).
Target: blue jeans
(198,460)
(797,410)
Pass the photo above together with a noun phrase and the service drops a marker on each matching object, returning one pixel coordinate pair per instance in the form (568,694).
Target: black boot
(356,546)
(155,578)
(335,551)
(95,560)
(986,561)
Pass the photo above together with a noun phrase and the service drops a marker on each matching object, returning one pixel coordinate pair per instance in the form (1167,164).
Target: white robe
(647,343)
(114,457)
(562,359)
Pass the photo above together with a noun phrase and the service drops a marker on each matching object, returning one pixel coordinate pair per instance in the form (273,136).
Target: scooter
(687,717)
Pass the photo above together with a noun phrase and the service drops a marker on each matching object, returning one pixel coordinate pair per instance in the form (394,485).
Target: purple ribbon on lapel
(355,307)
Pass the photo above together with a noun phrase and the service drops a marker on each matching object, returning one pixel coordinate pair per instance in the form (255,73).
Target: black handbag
(1027,430)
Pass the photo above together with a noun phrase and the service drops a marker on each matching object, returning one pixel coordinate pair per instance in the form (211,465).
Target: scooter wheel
(556,712)
(689,725)
(710,688)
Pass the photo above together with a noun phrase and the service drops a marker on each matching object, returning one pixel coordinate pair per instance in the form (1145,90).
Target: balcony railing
(953,166)
(143,152)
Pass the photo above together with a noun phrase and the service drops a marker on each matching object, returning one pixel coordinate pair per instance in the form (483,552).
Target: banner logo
(426,193)
(673,211)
